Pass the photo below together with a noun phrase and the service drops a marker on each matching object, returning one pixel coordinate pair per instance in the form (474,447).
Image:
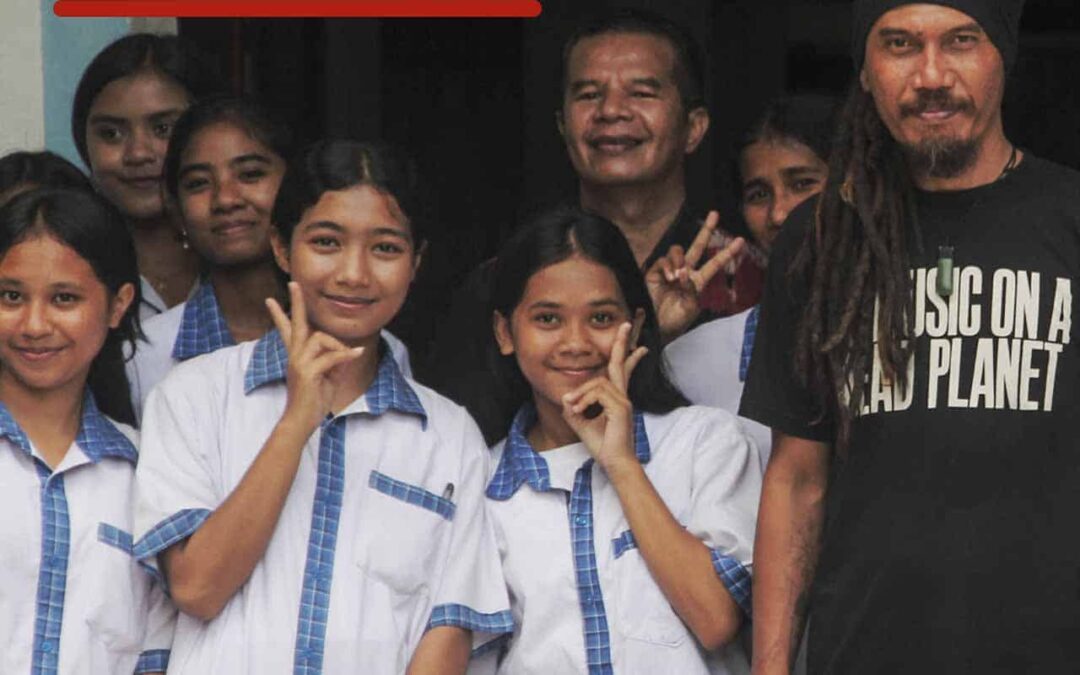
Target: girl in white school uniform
(222,171)
(313,510)
(72,597)
(625,519)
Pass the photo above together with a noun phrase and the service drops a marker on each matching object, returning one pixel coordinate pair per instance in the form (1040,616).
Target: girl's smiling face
(226,186)
(353,255)
(54,315)
(562,330)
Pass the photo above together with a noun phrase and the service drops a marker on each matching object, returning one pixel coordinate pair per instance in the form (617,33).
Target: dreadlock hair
(855,259)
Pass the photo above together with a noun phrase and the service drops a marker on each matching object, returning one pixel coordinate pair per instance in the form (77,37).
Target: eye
(587,95)
(644,93)
(757,195)
(10,297)
(805,184)
(252,175)
(162,129)
(388,248)
(194,184)
(546,319)
(108,133)
(602,318)
(324,242)
(965,40)
(64,298)
(900,44)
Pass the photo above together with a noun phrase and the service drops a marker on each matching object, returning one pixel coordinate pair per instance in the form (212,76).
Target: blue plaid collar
(98,437)
(749,331)
(521,464)
(202,327)
(389,390)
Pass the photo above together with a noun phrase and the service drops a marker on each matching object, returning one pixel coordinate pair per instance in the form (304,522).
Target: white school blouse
(193,328)
(582,598)
(708,364)
(383,535)
(72,597)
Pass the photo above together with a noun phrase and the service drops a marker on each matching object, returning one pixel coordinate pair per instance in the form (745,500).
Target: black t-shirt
(952,531)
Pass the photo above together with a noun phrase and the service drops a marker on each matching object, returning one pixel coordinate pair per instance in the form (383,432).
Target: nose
(575,339)
(140,147)
(226,196)
(612,105)
(35,320)
(934,70)
(354,268)
(780,207)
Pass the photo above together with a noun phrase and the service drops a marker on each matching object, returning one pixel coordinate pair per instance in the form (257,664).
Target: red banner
(299,8)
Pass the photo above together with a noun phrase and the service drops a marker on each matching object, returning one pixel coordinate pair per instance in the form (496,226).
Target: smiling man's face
(623,118)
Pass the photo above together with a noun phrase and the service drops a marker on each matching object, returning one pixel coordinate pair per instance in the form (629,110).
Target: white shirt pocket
(402,533)
(117,614)
(642,611)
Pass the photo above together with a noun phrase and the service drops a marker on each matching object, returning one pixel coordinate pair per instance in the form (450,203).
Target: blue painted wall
(67,46)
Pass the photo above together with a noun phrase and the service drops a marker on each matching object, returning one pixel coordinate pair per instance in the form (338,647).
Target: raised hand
(675,281)
(313,357)
(609,436)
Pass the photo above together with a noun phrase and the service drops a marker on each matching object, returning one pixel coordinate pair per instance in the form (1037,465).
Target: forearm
(680,563)
(205,570)
(785,553)
(443,650)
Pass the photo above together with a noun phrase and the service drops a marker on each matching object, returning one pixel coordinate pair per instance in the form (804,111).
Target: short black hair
(39,169)
(689,60)
(329,165)
(259,122)
(130,54)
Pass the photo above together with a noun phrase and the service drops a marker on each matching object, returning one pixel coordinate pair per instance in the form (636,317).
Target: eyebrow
(887,32)
(378,231)
(799,170)
(549,304)
(653,82)
(205,166)
(153,117)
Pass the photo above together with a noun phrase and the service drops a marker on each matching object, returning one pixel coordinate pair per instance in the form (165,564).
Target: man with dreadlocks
(917,362)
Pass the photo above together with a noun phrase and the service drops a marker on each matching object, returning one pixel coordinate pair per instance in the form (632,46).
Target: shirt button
(581,520)
(47,646)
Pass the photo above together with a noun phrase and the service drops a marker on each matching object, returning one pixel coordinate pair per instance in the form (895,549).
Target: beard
(940,156)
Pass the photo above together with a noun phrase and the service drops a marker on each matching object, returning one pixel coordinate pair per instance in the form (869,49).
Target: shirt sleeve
(726,489)
(175,490)
(774,394)
(472,591)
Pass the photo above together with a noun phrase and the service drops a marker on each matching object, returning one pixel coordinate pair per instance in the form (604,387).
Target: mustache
(938,100)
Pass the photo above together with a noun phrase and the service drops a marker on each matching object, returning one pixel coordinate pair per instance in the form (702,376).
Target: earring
(184,240)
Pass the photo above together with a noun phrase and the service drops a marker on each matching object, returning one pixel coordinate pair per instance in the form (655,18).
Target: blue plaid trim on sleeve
(749,330)
(412,494)
(623,543)
(115,537)
(152,661)
(466,617)
(52,572)
(590,594)
(177,527)
(322,544)
(202,327)
(736,579)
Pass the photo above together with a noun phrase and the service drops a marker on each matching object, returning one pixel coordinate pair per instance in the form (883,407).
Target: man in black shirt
(917,362)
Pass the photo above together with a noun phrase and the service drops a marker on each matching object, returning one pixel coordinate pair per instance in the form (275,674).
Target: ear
(120,303)
(635,329)
(698,120)
(281,250)
(503,337)
(864,79)
(560,123)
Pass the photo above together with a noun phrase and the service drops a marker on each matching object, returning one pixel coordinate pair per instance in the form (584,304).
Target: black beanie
(999,18)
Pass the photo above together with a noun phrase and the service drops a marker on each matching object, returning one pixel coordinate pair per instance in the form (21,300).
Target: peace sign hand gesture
(675,282)
(609,435)
(313,359)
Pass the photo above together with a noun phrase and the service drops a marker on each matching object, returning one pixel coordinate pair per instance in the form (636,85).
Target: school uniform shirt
(72,597)
(582,597)
(383,534)
(193,328)
(709,364)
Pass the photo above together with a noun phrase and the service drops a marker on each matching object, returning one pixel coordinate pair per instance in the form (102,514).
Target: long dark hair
(95,230)
(857,253)
(551,238)
(167,54)
(330,165)
(245,113)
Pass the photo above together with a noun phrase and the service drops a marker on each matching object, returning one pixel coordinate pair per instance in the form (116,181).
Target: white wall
(22,100)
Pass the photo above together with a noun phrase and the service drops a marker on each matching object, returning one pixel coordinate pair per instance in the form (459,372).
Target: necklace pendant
(944,282)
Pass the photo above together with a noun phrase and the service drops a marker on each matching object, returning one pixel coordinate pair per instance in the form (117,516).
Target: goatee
(941,157)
